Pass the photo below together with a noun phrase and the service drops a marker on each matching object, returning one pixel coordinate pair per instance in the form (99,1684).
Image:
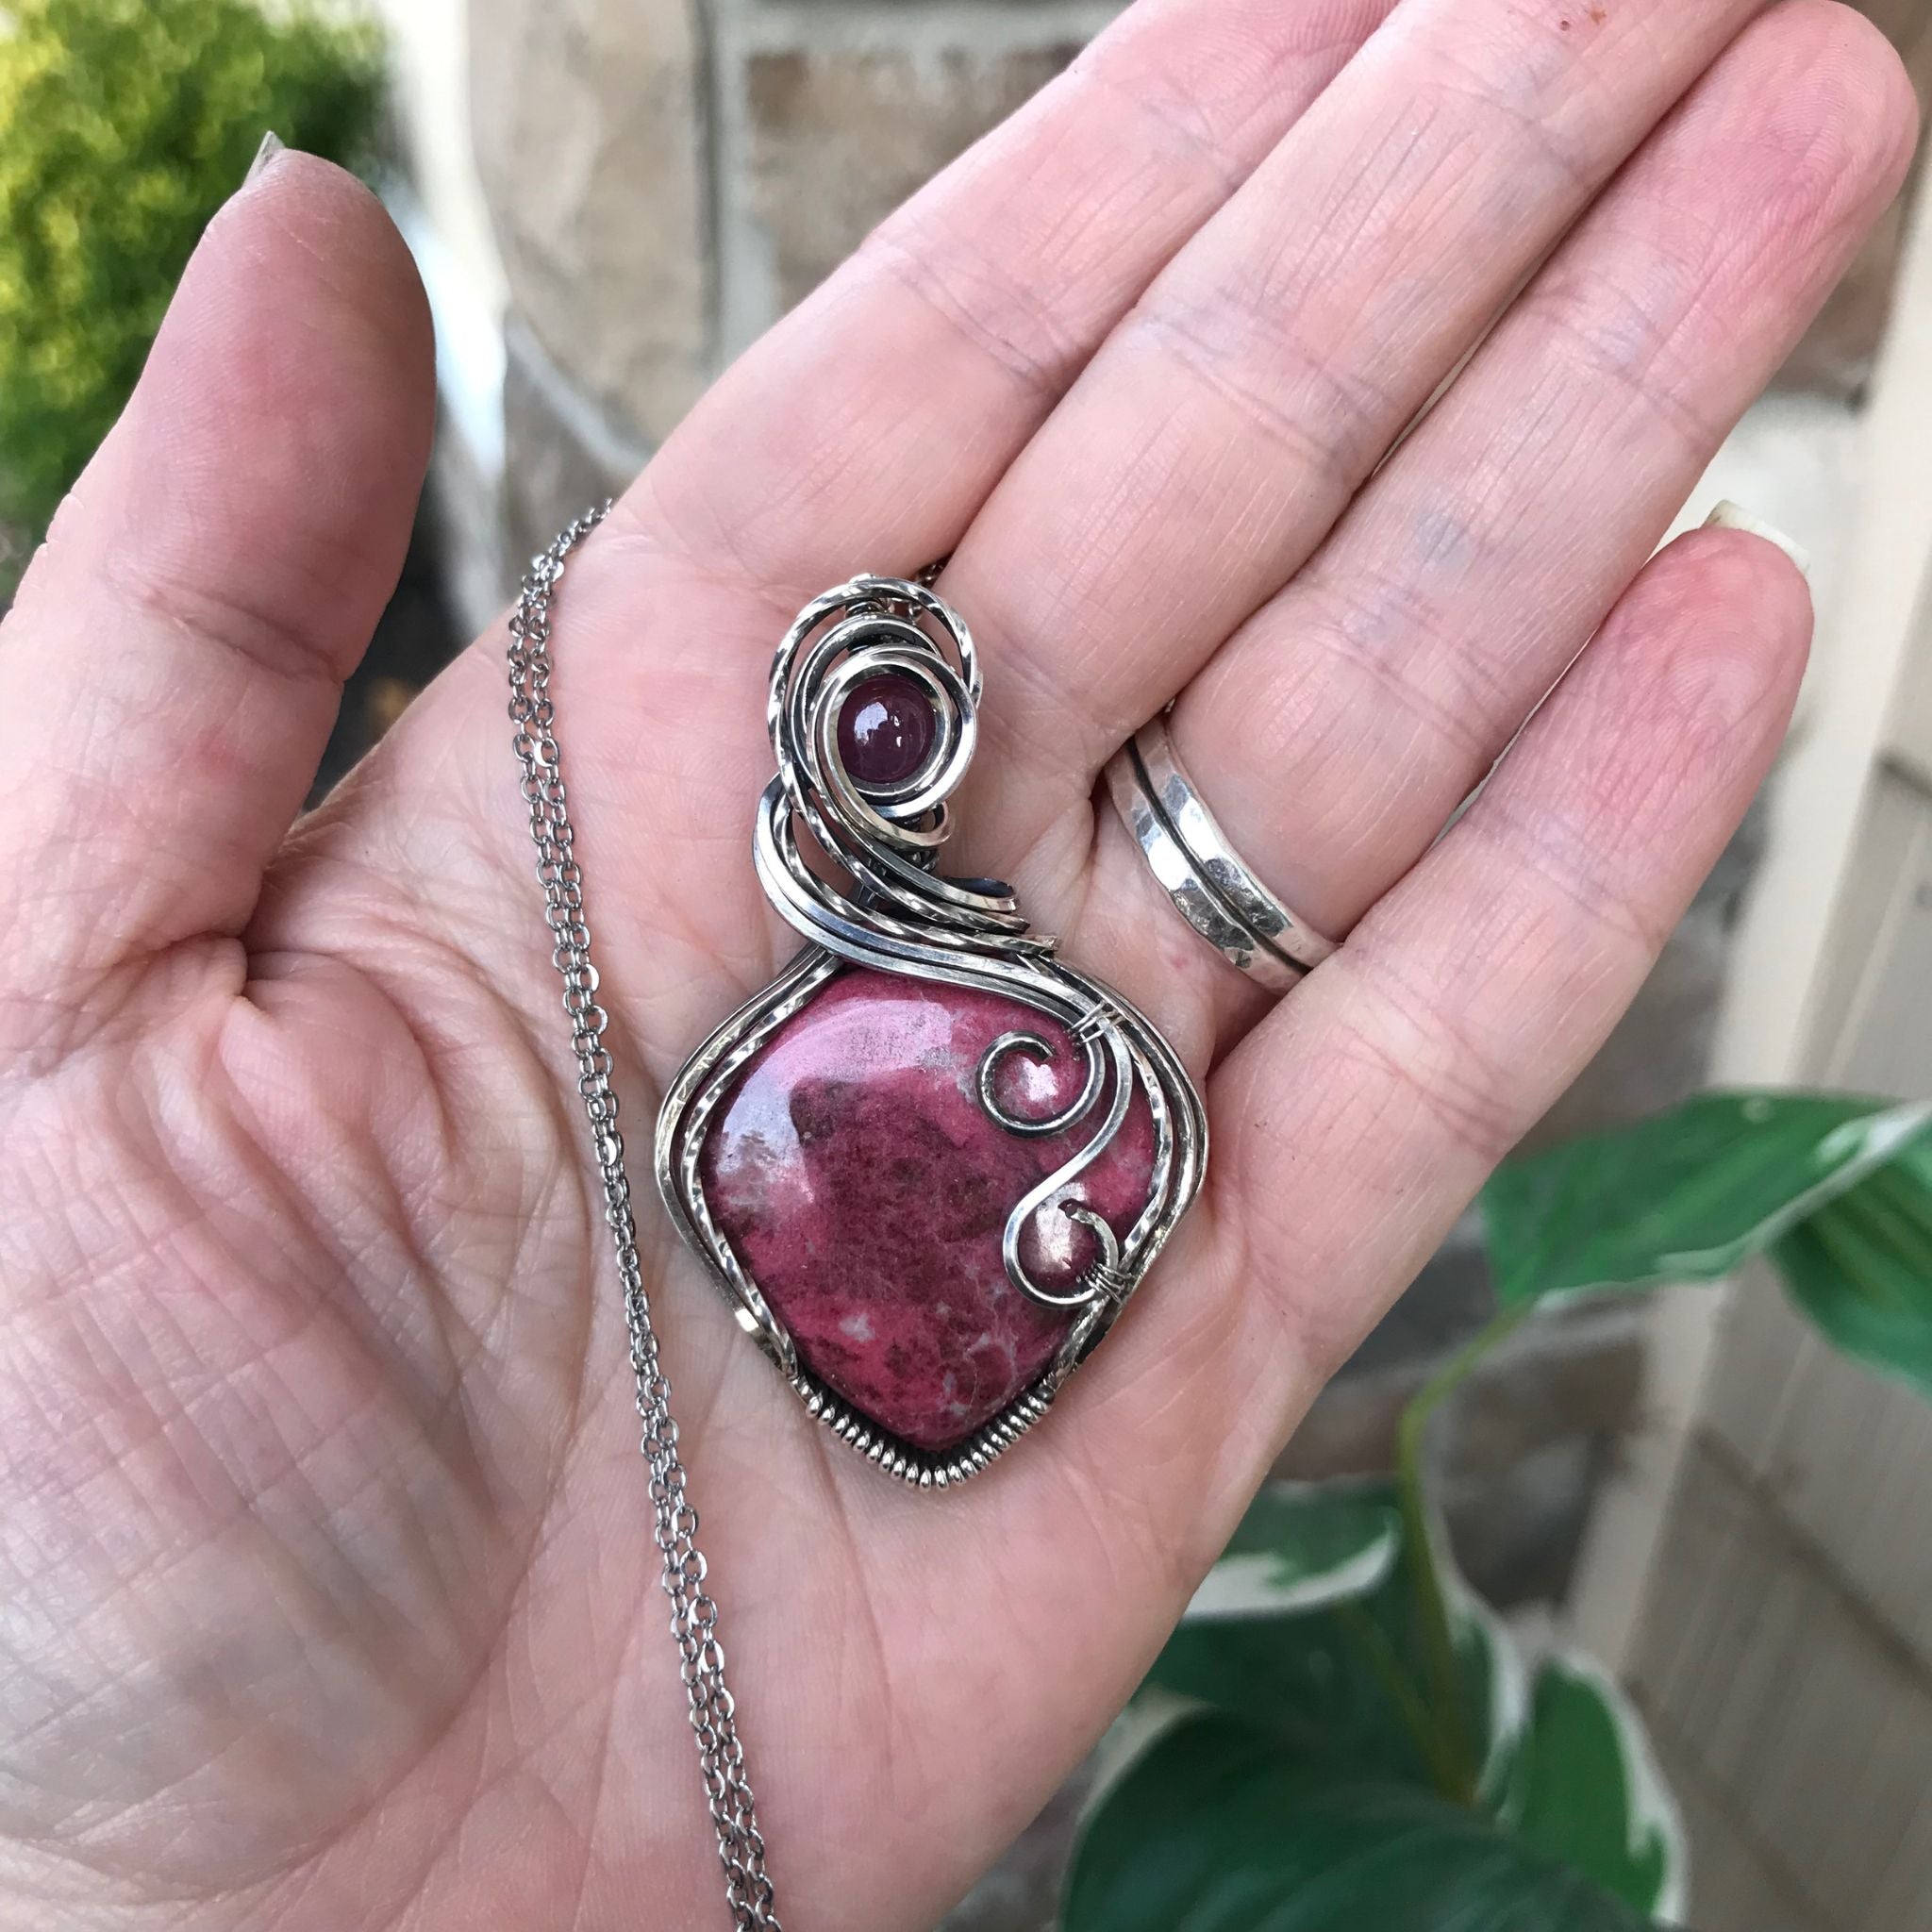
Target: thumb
(211,581)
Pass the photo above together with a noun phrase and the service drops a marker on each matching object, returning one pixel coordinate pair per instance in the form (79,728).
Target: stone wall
(668,176)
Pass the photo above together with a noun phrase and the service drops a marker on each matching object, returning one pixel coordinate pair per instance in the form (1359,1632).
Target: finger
(1344,724)
(866,428)
(211,581)
(1336,733)
(1354,1124)
(1226,422)
(861,433)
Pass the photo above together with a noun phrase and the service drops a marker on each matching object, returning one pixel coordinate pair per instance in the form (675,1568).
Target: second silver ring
(1210,886)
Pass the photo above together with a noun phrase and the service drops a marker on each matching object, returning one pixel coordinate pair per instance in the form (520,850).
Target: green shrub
(124,125)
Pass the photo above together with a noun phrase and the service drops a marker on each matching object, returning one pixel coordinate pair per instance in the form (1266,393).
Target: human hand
(329,1597)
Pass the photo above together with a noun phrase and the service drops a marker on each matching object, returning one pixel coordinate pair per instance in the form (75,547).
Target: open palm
(327,1594)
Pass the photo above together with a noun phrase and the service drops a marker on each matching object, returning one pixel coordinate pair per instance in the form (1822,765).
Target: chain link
(694,1613)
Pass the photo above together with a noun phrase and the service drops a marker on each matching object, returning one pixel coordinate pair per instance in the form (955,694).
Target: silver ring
(1190,855)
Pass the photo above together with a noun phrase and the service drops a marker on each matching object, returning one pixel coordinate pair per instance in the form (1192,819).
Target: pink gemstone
(886,730)
(866,1190)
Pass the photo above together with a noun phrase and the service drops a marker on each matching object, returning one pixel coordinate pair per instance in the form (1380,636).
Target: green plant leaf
(1860,1267)
(1686,1196)
(1218,1829)
(1585,1788)
(125,125)
(1301,1547)
(1338,1672)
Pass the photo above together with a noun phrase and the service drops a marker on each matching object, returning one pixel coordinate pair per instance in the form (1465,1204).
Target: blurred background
(609,199)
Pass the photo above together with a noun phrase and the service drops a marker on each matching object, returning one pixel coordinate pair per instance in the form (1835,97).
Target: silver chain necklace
(694,1613)
(879,812)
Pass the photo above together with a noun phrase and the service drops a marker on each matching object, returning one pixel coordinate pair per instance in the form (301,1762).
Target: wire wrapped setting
(854,869)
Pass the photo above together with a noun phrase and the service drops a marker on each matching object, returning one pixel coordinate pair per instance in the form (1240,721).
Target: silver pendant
(929,1163)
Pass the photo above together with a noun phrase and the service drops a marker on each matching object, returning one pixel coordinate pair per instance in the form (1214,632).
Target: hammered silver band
(1189,853)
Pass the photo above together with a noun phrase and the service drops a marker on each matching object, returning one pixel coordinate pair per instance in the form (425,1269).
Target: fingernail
(266,154)
(1733,516)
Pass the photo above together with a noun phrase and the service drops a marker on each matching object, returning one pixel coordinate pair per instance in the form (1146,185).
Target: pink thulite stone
(886,728)
(865,1191)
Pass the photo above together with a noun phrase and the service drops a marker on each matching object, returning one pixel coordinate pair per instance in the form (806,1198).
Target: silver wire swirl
(900,914)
